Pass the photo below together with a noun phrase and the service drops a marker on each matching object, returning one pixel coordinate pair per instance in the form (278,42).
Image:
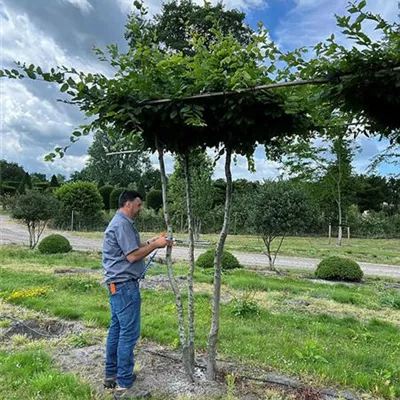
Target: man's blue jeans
(123,333)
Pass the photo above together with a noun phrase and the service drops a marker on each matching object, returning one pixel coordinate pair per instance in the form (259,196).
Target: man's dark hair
(128,195)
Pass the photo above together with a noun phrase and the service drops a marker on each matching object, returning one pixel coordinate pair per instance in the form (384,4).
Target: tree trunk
(213,335)
(191,260)
(174,286)
(31,230)
(271,260)
(339,201)
(340,229)
(197,229)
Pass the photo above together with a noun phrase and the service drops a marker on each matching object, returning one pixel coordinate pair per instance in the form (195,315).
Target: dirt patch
(35,329)
(38,327)
(158,282)
(388,285)
(63,271)
(159,370)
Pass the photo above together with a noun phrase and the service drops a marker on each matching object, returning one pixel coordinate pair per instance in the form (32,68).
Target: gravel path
(14,232)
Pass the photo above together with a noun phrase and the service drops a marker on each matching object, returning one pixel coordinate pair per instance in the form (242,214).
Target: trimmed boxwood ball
(53,244)
(339,268)
(206,260)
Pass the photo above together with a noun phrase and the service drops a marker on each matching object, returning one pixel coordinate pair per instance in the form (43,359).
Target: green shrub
(154,199)
(114,196)
(206,260)
(54,244)
(86,203)
(105,192)
(150,221)
(339,268)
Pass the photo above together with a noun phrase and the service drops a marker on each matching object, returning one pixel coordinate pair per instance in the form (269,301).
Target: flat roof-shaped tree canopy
(239,121)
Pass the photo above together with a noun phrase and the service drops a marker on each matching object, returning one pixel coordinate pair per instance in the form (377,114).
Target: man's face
(134,207)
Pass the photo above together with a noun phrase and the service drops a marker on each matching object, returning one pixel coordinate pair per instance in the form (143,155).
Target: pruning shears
(153,255)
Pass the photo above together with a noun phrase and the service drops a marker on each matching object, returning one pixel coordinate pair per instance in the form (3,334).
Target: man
(123,263)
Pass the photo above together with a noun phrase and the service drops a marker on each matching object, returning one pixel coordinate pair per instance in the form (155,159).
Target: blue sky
(56,32)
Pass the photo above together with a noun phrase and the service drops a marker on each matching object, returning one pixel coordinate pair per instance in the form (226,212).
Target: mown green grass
(331,350)
(12,254)
(29,374)
(372,296)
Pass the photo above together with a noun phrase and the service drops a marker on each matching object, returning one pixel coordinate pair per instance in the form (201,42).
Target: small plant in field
(245,306)
(390,299)
(5,323)
(19,340)
(27,293)
(362,334)
(312,353)
(79,284)
(81,340)
(339,268)
(231,387)
(175,344)
(54,244)
(386,379)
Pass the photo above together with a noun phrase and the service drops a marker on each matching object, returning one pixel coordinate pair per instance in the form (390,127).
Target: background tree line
(371,203)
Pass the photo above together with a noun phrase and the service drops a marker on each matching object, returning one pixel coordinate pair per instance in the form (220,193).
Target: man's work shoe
(130,393)
(111,383)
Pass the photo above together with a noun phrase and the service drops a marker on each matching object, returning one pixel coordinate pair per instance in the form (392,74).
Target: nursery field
(339,336)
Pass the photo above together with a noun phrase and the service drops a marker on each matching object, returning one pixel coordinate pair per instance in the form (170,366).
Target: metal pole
(329,233)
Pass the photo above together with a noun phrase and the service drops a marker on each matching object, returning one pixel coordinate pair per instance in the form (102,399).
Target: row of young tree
(230,91)
(14,179)
(370,204)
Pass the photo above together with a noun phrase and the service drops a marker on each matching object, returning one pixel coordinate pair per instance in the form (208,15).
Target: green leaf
(50,157)
(360,18)
(31,74)
(70,81)
(299,354)
(1,73)
(77,133)
(64,87)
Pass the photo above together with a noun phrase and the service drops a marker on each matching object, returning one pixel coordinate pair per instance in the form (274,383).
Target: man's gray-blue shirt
(121,238)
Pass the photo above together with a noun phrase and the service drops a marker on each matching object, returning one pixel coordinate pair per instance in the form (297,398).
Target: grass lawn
(379,251)
(329,334)
(29,375)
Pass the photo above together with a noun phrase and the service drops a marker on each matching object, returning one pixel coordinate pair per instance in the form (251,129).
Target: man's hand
(153,239)
(161,241)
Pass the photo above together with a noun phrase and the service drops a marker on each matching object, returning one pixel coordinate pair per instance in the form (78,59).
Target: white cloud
(83,5)
(265,169)
(169,161)
(9,144)
(31,127)
(23,41)
(64,166)
(28,113)
(311,21)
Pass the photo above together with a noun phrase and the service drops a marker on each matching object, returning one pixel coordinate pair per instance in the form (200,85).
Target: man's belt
(113,288)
